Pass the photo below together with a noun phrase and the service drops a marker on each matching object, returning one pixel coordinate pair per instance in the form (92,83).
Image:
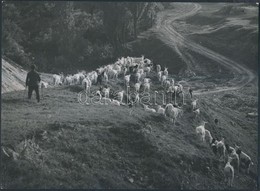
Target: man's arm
(27,80)
(39,78)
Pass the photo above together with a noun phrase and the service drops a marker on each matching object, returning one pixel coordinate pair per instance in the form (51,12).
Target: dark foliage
(59,36)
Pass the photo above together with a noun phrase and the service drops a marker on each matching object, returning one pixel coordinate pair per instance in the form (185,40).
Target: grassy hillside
(102,146)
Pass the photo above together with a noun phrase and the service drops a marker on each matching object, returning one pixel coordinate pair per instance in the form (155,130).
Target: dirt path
(166,30)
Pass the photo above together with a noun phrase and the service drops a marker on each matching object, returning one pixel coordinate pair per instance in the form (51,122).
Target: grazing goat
(56,79)
(127,80)
(147,80)
(221,149)
(86,84)
(200,130)
(43,84)
(172,112)
(158,68)
(115,102)
(208,135)
(229,172)
(231,152)
(213,146)
(147,69)
(146,108)
(245,160)
(137,87)
(159,75)
(147,86)
(120,96)
(165,72)
(161,110)
(106,92)
(163,79)
(196,112)
(194,104)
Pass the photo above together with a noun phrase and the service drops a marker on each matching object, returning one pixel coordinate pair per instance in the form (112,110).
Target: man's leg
(37,93)
(30,89)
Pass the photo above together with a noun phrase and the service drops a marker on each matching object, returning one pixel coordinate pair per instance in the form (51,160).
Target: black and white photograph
(129,95)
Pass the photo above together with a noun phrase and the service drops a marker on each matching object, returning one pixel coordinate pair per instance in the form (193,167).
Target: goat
(208,134)
(115,102)
(43,84)
(161,110)
(194,104)
(158,67)
(127,80)
(196,112)
(200,130)
(165,72)
(120,96)
(231,152)
(172,112)
(146,86)
(146,108)
(221,149)
(56,79)
(137,87)
(245,160)
(229,172)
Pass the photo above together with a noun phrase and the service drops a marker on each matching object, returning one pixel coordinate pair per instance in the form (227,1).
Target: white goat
(137,87)
(106,100)
(56,79)
(158,68)
(43,84)
(245,160)
(235,158)
(127,80)
(172,112)
(146,108)
(161,110)
(165,72)
(159,74)
(194,104)
(229,172)
(147,69)
(208,135)
(147,80)
(163,79)
(120,96)
(86,84)
(196,112)
(115,102)
(106,92)
(221,149)
(147,86)
(200,130)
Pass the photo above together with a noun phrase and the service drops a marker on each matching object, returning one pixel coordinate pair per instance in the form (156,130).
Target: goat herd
(135,73)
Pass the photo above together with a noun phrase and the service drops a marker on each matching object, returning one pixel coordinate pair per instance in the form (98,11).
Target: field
(76,145)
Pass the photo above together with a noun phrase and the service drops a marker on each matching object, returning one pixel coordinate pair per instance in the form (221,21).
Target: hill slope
(103,146)
(14,76)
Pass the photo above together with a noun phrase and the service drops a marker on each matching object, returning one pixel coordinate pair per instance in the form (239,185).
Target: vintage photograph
(129,95)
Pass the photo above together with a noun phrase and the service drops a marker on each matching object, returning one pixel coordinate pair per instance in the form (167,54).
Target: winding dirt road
(165,28)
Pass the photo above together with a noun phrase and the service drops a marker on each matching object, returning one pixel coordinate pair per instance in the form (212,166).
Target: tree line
(60,36)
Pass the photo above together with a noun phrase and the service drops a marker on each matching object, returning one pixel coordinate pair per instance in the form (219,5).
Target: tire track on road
(167,33)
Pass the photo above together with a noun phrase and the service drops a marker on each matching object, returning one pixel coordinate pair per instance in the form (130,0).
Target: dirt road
(165,27)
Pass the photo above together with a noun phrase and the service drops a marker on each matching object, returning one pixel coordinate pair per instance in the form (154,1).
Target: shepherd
(32,81)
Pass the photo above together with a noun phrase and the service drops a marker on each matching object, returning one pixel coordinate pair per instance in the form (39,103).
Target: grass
(89,146)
